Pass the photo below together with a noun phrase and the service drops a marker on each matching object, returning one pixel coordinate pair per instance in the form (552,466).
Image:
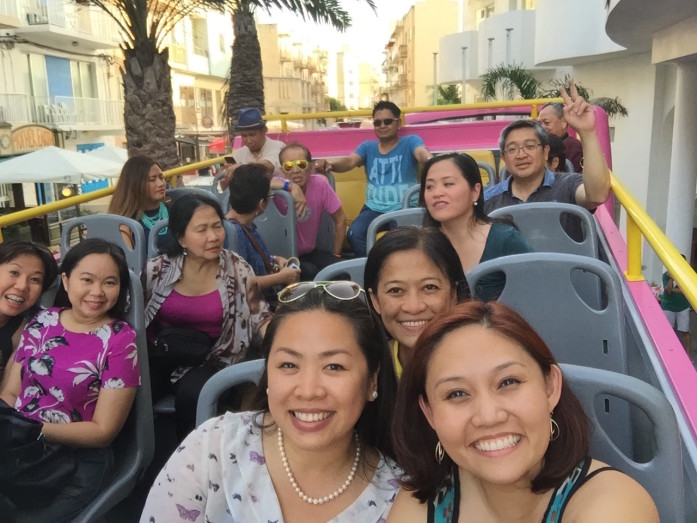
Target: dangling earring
(440,453)
(185,252)
(553,427)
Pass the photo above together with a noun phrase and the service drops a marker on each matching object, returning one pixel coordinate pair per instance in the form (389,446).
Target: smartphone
(230,160)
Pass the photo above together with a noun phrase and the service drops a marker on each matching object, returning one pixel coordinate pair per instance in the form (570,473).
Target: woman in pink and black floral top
(77,371)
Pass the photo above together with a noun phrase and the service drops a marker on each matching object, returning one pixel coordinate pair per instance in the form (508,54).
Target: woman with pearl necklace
(318,448)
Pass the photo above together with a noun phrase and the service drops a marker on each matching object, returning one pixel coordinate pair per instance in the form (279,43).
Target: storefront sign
(31,137)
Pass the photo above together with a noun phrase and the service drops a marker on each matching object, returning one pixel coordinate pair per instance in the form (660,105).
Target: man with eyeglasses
(524,147)
(391,165)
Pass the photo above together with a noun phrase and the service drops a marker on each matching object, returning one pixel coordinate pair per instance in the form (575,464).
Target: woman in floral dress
(77,371)
(318,448)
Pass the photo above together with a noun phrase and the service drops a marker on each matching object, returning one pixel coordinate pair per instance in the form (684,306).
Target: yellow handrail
(41,210)
(639,223)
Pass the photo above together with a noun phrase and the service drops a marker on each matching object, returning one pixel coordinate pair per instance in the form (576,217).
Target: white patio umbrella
(55,165)
(111,153)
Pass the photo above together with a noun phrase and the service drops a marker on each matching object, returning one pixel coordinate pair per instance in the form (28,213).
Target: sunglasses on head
(288,166)
(341,290)
(386,122)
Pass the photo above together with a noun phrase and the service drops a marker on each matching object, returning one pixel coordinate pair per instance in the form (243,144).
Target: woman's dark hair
(98,246)
(131,193)
(12,249)
(373,426)
(415,440)
(432,242)
(248,186)
(557,149)
(180,215)
(470,172)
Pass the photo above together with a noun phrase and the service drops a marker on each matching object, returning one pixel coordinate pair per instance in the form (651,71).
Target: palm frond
(511,78)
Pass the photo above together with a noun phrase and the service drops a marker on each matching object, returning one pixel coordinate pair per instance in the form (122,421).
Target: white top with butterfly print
(219,475)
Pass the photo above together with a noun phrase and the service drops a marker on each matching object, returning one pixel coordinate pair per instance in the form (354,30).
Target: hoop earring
(440,453)
(553,428)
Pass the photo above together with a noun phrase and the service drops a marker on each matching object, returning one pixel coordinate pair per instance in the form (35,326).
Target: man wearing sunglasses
(391,165)
(297,167)
(524,148)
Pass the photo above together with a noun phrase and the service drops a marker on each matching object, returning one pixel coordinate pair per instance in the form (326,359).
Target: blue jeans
(358,231)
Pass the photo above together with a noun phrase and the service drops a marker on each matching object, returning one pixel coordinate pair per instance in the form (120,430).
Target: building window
(199,36)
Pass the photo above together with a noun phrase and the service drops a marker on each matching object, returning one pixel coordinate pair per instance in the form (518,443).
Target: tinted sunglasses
(341,290)
(386,121)
(288,166)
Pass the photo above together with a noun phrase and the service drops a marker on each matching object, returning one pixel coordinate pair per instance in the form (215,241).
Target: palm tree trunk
(148,110)
(246,82)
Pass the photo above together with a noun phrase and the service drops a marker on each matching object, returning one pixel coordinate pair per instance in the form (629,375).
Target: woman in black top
(26,270)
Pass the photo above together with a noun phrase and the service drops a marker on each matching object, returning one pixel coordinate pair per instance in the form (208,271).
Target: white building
(641,51)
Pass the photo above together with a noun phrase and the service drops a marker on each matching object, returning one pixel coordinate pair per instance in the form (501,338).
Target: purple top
(202,313)
(63,371)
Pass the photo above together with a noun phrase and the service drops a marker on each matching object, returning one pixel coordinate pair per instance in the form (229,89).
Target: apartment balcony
(67,26)
(666,28)
(457,57)
(582,41)
(9,14)
(62,112)
(403,52)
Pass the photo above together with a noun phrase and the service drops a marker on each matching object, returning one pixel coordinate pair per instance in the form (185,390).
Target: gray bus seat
(543,226)
(223,380)
(278,229)
(661,472)
(107,227)
(541,288)
(413,216)
(353,268)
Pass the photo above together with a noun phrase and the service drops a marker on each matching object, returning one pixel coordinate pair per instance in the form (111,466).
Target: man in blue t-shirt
(391,165)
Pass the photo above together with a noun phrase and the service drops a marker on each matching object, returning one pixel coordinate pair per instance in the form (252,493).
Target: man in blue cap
(259,148)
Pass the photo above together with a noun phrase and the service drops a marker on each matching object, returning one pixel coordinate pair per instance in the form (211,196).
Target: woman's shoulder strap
(445,508)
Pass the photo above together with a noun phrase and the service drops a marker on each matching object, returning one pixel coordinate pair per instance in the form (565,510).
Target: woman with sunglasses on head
(498,435)
(451,191)
(76,371)
(249,196)
(26,270)
(297,167)
(411,275)
(318,448)
(140,194)
(199,291)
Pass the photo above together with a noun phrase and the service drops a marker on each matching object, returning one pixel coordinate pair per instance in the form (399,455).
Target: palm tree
(246,81)
(450,94)
(513,79)
(148,112)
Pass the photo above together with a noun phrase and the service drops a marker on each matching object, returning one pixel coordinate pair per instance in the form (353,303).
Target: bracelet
(286,185)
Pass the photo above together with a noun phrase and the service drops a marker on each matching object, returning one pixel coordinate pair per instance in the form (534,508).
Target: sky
(367,36)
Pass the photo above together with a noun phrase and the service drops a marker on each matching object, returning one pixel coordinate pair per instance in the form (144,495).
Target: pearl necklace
(329,497)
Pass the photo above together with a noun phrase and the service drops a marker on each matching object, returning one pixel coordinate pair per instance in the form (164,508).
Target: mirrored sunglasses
(341,290)
(386,121)
(302,165)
